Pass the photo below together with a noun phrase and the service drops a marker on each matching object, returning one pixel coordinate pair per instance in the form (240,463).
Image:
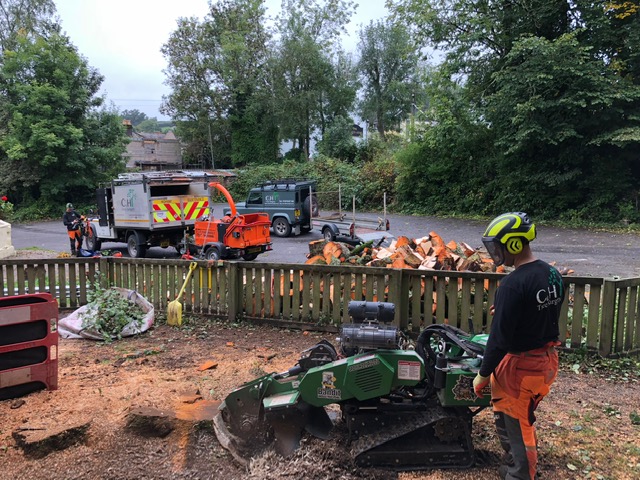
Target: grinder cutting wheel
(406,406)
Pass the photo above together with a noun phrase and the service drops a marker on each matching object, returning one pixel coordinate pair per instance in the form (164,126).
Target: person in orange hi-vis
(71,220)
(520,361)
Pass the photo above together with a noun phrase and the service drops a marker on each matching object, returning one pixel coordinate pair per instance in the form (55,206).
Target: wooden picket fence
(598,314)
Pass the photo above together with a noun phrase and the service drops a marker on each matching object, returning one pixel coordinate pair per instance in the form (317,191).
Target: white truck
(349,228)
(149,209)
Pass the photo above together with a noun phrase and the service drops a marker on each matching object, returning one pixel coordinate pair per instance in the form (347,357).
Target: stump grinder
(406,405)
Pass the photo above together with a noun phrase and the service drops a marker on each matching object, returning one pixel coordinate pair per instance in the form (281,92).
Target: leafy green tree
(193,102)
(25,17)
(58,146)
(135,116)
(220,94)
(388,67)
(553,84)
(309,88)
(338,141)
(476,36)
(566,130)
(149,125)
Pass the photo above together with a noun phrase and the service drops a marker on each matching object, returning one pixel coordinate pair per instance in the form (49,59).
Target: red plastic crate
(28,344)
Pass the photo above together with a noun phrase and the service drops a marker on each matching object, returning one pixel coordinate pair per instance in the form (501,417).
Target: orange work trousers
(518,385)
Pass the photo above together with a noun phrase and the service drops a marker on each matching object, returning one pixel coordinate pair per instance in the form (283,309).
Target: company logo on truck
(128,202)
(275,199)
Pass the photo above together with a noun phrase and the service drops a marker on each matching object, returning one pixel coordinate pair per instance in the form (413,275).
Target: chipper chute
(405,405)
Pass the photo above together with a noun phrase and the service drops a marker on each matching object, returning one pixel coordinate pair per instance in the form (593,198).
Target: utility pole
(213,165)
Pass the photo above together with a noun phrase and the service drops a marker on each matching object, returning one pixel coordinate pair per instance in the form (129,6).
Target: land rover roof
(287,184)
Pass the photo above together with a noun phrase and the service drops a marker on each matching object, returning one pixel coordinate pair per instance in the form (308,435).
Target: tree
(25,17)
(337,141)
(220,91)
(566,131)
(388,67)
(58,145)
(136,117)
(150,125)
(309,88)
(555,86)
(476,36)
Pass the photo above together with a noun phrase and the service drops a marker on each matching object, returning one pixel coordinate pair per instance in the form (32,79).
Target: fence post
(608,317)
(235,291)
(103,272)
(400,285)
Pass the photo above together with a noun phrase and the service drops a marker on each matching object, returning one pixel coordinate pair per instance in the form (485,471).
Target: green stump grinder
(406,405)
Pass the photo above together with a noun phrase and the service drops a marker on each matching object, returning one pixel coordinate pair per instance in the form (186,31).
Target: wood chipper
(404,405)
(233,236)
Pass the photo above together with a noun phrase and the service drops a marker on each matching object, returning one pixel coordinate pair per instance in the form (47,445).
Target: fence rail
(598,314)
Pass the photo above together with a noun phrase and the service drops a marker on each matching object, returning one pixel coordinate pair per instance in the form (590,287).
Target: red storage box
(28,344)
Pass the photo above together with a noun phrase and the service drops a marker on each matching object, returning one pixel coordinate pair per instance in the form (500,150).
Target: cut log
(332,250)
(466,249)
(402,241)
(436,240)
(425,248)
(316,247)
(383,253)
(362,247)
(316,260)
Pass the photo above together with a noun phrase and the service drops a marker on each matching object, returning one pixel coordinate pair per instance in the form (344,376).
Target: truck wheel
(327,234)
(212,254)
(311,207)
(135,246)
(250,256)
(92,241)
(281,227)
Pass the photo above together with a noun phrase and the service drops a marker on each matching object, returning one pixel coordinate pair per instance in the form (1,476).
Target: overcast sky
(122,39)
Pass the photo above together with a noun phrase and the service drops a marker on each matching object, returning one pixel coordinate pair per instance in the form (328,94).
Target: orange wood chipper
(233,236)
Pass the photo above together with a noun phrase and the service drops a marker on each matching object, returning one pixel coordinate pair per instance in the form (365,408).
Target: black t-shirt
(68,218)
(527,303)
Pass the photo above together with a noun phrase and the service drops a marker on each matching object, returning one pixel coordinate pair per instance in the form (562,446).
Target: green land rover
(290,203)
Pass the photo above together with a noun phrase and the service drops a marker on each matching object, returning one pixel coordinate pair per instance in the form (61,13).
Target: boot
(73,252)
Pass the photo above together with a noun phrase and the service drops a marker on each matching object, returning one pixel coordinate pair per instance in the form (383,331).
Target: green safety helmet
(69,205)
(510,231)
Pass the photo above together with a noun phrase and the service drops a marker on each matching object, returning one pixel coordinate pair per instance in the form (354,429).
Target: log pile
(426,253)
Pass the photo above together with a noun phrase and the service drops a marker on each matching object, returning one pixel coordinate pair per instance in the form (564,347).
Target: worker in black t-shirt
(72,220)
(520,360)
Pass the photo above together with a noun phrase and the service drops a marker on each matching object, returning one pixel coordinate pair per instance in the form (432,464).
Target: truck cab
(290,203)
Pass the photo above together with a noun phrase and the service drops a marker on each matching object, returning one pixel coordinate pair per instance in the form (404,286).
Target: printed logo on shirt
(553,294)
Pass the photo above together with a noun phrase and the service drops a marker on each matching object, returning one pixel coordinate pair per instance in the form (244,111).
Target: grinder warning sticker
(408,370)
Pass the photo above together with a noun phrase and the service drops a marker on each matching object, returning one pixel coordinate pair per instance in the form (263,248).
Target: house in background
(152,151)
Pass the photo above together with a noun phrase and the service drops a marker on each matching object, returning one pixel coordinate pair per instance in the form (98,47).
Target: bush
(6,209)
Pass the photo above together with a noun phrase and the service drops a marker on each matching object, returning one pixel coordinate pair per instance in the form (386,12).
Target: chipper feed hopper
(406,405)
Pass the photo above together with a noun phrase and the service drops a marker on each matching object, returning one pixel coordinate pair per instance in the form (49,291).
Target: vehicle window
(255,198)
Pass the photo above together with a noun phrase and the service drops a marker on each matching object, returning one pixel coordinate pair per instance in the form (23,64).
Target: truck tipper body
(150,209)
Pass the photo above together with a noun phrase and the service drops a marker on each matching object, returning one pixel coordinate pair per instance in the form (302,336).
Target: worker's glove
(479,383)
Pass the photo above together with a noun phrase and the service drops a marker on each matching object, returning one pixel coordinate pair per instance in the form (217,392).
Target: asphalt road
(588,253)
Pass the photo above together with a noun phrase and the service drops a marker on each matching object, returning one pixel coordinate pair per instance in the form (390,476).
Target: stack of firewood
(427,253)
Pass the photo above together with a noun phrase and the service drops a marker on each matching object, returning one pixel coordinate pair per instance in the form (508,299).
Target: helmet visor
(496,250)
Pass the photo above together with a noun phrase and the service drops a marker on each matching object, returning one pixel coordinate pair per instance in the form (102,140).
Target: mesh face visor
(495,249)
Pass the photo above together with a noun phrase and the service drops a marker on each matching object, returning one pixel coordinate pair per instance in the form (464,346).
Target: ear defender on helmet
(514,245)
(510,232)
